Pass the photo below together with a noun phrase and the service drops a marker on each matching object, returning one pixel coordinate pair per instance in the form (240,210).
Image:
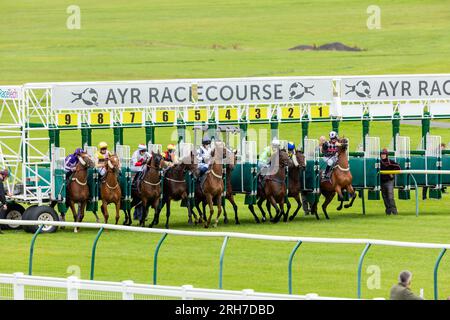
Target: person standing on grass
(387,182)
(3,206)
(402,290)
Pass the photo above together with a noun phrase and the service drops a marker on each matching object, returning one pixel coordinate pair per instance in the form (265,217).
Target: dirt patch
(334,46)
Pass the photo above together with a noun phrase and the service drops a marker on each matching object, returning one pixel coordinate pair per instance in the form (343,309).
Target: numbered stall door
(357,170)
(59,175)
(372,173)
(401,180)
(418,163)
(123,152)
(310,176)
(446,166)
(93,183)
(432,164)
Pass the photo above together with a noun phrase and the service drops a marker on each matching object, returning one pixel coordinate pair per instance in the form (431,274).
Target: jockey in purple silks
(71,161)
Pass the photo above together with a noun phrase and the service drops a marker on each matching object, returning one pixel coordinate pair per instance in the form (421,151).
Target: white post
(246,293)
(126,295)
(72,289)
(19,289)
(184,294)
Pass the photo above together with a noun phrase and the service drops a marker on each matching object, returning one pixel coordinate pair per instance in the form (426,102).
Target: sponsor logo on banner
(9,93)
(395,88)
(184,93)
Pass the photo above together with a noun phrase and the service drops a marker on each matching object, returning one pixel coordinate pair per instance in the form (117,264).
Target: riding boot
(327,172)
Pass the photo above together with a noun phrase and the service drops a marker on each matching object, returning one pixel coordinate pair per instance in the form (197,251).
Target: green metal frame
(222,255)
(360,263)
(155,259)
(33,240)
(435,278)
(94,249)
(291,258)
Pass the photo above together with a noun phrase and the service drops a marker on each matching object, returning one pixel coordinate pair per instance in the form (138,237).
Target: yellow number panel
(320,112)
(67,119)
(257,113)
(132,117)
(197,115)
(165,116)
(228,114)
(100,118)
(292,112)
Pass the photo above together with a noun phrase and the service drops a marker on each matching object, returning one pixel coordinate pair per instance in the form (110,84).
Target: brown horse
(175,188)
(149,189)
(211,190)
(274,189)
(110,191)
(78,189)
(229,195)
(341,179)
(295,183)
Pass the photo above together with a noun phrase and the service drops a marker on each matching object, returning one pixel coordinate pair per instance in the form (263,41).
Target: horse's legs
(117,211)
(314,207)
(263,213)
(211,209)
(268,208)
(105,211)
(204,209)
(155,220)
(74,211)
(219,209)
(288,206)
(252,210)
(190,209)
(235,208)
(273,202)
(155,207)
(328,199)
(144,212)
(167,212)
(225,218)
(340,197)
(299,205)
(351,191)
(200,214)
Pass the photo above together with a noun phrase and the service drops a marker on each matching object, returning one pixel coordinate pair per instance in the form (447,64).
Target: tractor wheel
(14,212)
(41,213)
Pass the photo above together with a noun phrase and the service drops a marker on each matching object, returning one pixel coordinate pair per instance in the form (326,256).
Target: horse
(78,189)
(295,182)
(341,179)
(274,189)
(175,188)
(210,191)
(229,195)
(110,190)
(149,188)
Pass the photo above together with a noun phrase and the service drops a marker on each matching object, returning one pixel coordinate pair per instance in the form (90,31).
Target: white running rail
(18,286)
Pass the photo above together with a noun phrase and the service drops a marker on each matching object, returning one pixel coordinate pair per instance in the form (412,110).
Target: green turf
(179,39)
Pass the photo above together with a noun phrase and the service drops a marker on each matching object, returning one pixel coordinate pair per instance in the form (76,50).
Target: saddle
(326,177)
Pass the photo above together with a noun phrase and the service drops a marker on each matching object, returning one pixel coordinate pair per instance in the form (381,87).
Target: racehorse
(210,189)
(149,188)
(110,190)
(341,179)
(229,195)
(78,189)
(295,184)
(272,187)
(175,188)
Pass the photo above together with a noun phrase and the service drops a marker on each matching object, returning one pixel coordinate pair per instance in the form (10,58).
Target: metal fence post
(18,287)
(417,194)
(33,240)
(94,249)
(222,254)
(126,295)
(436,267)
(72,290)
(361,259)
(155,259)
(291,258)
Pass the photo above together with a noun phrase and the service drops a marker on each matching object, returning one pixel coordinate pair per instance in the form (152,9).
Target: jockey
(71,161)
(329,150)
(139,158)
(101,158)
(291,149)
(204,155)
(169,155)
(266,154)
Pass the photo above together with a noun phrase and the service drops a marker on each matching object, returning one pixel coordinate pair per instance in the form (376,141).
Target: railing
(368,243)
(18,286)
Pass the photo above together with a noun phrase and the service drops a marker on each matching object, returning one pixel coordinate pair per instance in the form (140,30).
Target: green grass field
(179,39)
